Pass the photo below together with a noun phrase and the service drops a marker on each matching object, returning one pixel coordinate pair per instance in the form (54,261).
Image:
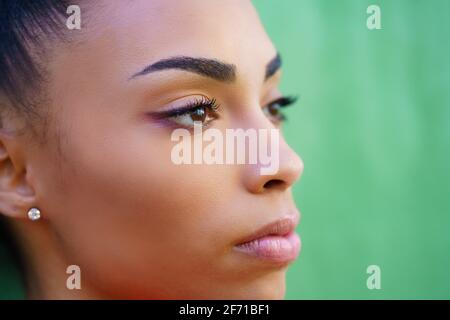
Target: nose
(290,168)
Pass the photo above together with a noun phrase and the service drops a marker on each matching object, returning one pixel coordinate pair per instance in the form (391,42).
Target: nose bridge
(291,164)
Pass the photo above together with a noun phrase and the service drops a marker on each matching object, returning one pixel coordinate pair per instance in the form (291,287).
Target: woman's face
(137,224)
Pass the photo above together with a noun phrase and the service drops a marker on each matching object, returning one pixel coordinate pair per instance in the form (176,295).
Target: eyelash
(213,107)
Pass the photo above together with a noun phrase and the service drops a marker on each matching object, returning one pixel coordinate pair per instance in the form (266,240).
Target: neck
(46,268)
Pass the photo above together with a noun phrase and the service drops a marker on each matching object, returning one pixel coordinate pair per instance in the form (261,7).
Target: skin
(112,202)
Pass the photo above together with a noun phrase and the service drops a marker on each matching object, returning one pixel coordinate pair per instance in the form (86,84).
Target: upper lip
(279,227)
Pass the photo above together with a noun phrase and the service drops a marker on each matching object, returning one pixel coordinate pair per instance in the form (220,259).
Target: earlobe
(16,195)
(13,205)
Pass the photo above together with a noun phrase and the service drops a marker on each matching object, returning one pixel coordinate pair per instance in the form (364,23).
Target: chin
(267,287)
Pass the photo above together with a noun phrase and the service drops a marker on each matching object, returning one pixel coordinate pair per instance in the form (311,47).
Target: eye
(203,111)
(273,110)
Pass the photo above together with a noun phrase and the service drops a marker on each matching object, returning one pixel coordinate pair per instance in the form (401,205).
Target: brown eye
(203,111)
(202,115)
(199,114)
(273,110)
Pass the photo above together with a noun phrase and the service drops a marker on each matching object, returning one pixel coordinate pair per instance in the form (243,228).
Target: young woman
(87,184)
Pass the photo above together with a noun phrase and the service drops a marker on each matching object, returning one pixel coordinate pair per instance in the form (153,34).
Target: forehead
(133,33)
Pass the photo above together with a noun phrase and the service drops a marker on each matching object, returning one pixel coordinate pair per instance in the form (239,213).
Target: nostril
(274,183)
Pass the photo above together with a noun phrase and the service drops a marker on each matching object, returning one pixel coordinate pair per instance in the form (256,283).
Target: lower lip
(278,249)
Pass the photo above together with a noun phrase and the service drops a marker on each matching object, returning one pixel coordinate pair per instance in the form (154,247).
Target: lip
(276,242)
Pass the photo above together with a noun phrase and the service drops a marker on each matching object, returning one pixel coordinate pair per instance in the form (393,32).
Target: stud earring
(34,214)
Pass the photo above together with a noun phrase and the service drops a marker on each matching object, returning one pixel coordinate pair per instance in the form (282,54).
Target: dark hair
(25,29)
(10,250)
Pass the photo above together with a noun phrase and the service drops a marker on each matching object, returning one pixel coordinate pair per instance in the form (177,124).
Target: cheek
(126,204)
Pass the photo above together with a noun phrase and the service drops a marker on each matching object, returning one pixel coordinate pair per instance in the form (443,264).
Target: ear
(16,195)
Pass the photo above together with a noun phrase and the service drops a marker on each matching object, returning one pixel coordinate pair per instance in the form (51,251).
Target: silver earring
(34,214)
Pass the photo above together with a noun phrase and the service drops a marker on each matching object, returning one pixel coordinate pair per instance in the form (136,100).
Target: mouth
(276,242)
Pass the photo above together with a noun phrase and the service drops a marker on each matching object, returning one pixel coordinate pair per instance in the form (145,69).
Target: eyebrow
(210,68)
(273,66)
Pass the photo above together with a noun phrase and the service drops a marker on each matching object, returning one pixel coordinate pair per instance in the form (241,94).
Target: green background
(373,128)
